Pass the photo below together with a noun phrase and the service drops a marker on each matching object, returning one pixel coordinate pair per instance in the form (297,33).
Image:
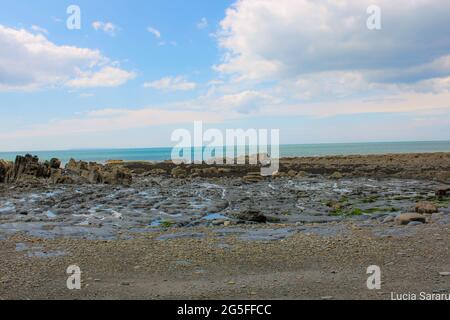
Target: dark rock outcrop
(5,166)
(27,168)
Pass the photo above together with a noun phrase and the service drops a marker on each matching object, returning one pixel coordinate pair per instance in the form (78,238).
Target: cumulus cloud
(286,39)
(107,27)
(178,83)
(30,62)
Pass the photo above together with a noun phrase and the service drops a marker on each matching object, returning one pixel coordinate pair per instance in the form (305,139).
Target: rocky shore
(50,214)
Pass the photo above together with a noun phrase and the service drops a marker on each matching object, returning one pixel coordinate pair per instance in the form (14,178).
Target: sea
(288,150)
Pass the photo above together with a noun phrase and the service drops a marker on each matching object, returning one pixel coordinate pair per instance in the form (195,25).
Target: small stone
(406,218)
(327,298)
(426,207)
(415,223)
(124,283)
(227,223)
(445,274)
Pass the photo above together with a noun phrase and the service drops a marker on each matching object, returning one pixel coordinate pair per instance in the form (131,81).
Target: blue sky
(137,70)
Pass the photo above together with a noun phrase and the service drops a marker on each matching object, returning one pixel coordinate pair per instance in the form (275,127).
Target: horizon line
(169,147)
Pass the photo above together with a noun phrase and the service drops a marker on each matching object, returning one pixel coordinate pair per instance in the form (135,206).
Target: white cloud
(203,23)
(171,84)
(31,62)
(105,77)
(155,32)
(106,27)
(285,39)
(38,29)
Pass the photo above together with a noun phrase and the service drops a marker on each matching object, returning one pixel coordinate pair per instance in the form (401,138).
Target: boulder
(251,215)
(406,218)
(426,207)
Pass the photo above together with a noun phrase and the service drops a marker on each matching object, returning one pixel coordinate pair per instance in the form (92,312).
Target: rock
(210,172)
(442,191)
(5,167)
(118,176)
(158,172)
(302,174)
(77,166)
(251,215)
(179,172)
(55,163)
(444,274)
(253,177)
(336,176)
(426,207)
(292,173)
(95,176)
(443,176)
(224,171)
(27,168)
(389,219)
(415,223)
(64,180)
(406,218)
(96,173)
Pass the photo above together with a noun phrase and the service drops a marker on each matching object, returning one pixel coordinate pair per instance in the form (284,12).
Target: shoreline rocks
(28,168)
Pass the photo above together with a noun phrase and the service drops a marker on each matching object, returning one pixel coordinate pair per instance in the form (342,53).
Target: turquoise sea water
(159,154)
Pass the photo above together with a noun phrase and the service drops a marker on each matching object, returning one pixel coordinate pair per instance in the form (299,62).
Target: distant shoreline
(286,151)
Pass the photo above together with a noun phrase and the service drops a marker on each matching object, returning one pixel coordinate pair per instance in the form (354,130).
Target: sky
(137,70)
